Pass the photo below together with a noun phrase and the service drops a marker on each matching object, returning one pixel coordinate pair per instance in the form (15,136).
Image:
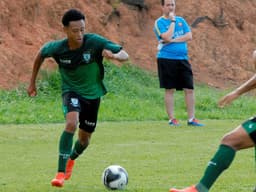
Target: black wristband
(173,21)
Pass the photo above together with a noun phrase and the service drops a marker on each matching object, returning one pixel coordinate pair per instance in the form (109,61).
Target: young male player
(242,137)
(79,57)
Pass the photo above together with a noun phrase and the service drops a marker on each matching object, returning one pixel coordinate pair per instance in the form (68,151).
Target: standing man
(174,69)
(79,57)
(242,137)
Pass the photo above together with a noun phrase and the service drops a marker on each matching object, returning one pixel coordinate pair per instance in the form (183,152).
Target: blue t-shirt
(174,50)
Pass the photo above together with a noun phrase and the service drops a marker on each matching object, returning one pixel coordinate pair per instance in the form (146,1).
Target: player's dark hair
(72,15)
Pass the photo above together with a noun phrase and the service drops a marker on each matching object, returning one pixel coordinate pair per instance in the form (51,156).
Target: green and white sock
(77,150)
(221,161)
(65,146)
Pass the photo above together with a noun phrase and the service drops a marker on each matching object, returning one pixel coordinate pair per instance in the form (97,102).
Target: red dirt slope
(223,39)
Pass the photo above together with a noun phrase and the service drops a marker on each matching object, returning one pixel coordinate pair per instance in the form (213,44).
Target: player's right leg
(65,146)
(71,108)
(168,75)
(169,105)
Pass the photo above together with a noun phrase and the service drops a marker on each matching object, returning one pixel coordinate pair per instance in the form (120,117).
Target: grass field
(132,132)
(155,155)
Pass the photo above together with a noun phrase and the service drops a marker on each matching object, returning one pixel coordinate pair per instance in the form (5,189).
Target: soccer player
(79,57)
(242,137)
(174,69)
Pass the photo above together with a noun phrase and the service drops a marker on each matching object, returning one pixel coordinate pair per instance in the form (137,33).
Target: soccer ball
(115,177)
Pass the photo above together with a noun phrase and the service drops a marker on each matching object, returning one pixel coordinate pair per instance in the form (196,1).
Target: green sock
(77,150)
(65,146)
(221,161)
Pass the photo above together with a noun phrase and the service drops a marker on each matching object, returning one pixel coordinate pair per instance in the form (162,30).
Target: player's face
(169,6)
(75,32)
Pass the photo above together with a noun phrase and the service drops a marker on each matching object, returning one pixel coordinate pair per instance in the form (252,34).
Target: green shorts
(250,127)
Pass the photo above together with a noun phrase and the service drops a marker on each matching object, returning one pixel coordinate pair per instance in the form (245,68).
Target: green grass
(133,94)
(155,155)
(132,132)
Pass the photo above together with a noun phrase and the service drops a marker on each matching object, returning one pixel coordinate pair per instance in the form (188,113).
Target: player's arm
(166,36)
(187,36)
(122,55)
(182,38)
(247,86)
(31,90)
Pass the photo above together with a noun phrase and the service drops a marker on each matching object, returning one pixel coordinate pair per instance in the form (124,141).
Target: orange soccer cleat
(69,168)
(58,181)
(188,189)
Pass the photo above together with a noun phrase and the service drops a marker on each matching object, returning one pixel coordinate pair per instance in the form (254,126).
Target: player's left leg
(240,138)
(79,147)
(220,161)
(186,82)
(190,103)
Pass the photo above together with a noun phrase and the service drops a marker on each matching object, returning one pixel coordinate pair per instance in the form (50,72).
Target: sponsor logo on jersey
(65,61)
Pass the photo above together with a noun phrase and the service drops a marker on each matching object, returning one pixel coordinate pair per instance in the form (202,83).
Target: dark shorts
(250,127)
(87,108)
(175,74)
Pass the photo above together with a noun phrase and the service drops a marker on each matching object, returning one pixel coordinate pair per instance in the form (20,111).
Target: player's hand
(108,54)
(32,91)
(227,99)
(172,15)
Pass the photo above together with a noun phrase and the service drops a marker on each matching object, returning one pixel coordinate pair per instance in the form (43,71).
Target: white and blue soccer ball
(115,177)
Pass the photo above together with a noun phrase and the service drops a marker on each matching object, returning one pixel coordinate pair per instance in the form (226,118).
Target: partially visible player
(242,137)
(79,57)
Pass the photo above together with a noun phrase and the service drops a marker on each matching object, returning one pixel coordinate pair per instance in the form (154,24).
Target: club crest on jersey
(87,57)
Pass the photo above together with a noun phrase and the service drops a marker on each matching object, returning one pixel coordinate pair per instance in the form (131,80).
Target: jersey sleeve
(159,28)
(47,50)
(115,48)
(109,45)
(186,27)
(104,43)
(51,48)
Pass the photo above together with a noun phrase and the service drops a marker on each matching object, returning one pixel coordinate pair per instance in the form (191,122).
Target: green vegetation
(132,132)
(133,94)
(155,155)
